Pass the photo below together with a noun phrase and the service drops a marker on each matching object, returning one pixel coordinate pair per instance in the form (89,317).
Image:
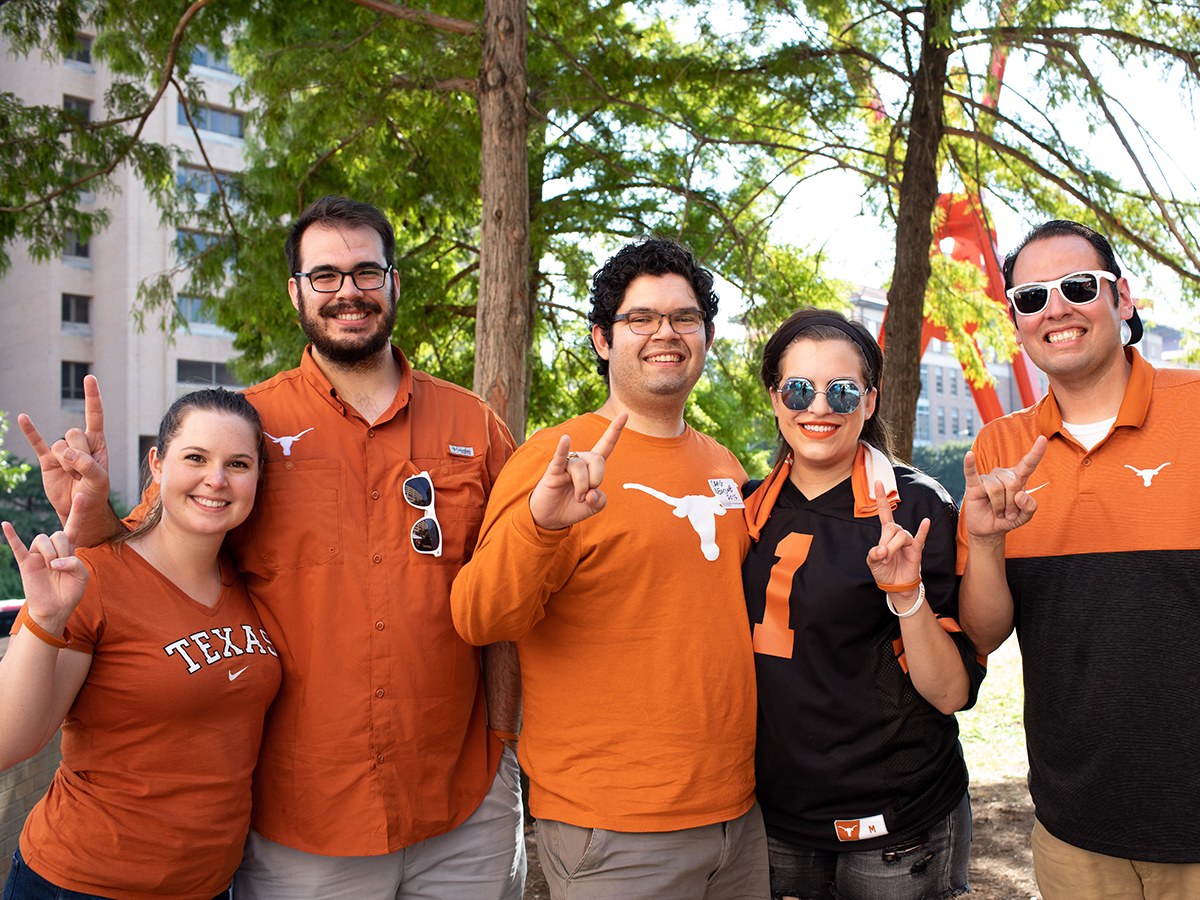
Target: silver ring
(571,454)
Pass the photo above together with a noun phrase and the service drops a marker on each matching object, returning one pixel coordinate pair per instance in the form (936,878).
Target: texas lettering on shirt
(202,644)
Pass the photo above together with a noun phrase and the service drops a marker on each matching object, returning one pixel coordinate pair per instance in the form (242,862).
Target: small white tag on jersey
(726,491)
(456,450)
(860,829)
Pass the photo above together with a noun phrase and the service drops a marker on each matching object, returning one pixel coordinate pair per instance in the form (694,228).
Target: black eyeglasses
(1077,289)
(426,534)
(329,281)
(798,395)
(643,321)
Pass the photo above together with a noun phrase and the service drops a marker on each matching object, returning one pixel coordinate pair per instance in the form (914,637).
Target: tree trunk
(503,323)
(914,235)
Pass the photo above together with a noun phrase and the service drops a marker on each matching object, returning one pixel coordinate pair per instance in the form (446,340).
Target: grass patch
(993,733)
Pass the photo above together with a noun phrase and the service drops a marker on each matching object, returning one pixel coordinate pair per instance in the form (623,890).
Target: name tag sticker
(726,491)
(456,450)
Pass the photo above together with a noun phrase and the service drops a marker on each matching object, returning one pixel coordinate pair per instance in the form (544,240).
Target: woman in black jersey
(852,597)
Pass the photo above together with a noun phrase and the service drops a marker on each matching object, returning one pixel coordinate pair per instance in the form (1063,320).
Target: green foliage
(945,463)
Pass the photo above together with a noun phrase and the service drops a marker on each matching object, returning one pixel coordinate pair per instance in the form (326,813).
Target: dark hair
(213,400)
(1065,228)
(829,325)
(649,256)
(339,212)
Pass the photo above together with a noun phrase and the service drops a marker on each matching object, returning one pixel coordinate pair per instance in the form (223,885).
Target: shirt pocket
(459,501)
(298,519)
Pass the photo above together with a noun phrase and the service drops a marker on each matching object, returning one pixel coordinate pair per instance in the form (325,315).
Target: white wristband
(913,608)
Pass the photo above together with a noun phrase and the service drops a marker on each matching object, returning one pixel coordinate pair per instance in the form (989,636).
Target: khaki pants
(1065,872)
(723,861)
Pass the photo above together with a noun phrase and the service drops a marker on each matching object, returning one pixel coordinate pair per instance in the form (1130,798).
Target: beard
(356,350)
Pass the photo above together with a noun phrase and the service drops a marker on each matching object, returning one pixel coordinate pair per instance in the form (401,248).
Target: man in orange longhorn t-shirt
(626,606)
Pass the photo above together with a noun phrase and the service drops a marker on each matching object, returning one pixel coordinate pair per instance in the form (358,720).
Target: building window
(210,118)
(191,309)
(204,181)
(82,51)
(954,421)
(970,422)
(937,379)
(925,381)
(72,246)
(941,417)
(953,383)
(72,379)
(193,243)
(82,108)
(75,308)
(922,423)
(211,58)
(194,371)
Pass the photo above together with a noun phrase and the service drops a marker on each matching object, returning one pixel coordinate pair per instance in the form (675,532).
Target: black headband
(868,347)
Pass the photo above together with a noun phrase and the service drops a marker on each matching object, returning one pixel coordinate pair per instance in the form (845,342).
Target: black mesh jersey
(842,733)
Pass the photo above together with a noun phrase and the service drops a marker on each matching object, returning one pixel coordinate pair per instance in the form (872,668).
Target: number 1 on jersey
(773,637)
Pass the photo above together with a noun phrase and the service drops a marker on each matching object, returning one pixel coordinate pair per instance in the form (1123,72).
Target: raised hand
(569,491)
(77,463)
(997,502)
(54,579)
(896,559)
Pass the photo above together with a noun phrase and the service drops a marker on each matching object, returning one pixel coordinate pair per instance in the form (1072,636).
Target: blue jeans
(26,884)
(931,866)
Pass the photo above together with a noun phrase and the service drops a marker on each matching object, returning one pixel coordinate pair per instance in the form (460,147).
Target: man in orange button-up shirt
(378,775)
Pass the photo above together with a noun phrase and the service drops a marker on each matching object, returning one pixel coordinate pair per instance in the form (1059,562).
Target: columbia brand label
(456,450)
(726,491)
(860,829)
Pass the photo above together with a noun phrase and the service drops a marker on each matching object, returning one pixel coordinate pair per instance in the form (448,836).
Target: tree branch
(420,16)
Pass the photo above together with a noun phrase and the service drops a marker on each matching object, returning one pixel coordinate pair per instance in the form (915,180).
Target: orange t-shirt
(152,798)
(636,666)
(378,738)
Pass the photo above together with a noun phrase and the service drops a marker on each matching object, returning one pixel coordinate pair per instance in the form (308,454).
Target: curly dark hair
(649,256)
(334,212)
(830,325)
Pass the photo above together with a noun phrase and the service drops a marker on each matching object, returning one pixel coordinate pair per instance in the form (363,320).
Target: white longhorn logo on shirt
(287,440)
(701,512)
(1146,474)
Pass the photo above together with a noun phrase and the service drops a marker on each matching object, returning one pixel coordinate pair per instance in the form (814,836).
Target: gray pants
(481,859)
(723,861)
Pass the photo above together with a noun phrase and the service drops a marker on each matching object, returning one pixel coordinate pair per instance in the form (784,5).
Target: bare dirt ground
(994,744)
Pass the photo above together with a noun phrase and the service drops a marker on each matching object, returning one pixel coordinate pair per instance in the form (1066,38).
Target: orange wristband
(898,588)
(23,618)
(505,735)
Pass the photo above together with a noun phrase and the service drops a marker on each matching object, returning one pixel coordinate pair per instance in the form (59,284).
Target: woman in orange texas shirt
(150,649)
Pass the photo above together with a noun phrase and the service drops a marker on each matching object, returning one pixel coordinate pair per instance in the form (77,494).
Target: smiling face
(1073,345)
(349,326)
(208,473)
(823,443)
(647,372)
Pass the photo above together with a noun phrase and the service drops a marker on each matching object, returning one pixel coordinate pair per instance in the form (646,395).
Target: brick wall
(21,787)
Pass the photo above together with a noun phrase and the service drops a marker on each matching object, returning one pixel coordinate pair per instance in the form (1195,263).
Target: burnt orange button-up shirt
(378,738)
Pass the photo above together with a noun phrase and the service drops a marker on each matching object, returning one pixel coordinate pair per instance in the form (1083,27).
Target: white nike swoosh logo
(1038,488)
(233,675)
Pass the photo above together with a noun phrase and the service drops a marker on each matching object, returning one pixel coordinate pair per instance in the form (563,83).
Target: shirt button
(445,470)
(287,465)
(370,432)
(1088,461)
(377,558)
(379,626)
(374,495)
(380,758)
(379,693)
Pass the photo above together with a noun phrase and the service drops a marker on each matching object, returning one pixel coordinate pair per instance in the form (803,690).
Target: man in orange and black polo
(1102,583)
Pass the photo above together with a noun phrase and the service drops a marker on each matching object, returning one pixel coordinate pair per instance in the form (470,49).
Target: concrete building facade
(64,319)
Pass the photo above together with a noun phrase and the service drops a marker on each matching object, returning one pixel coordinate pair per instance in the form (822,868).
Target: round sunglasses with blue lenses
(842,396)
